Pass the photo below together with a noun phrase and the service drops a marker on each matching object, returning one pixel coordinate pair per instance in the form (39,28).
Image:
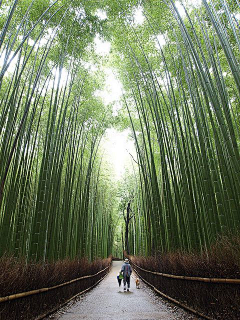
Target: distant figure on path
(127,271)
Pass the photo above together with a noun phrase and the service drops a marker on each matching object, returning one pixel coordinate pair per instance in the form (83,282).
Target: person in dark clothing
(126,271)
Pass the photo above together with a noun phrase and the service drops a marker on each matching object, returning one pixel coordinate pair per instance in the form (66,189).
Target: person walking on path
(126,271)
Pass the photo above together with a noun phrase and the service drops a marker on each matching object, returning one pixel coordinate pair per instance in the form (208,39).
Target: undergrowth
(221,260)
(16,276)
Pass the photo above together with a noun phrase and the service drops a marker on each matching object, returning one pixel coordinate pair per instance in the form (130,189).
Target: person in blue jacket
(126,271)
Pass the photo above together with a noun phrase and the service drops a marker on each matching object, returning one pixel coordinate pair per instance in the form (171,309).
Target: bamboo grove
(180,72)
(54,203)
(183,82)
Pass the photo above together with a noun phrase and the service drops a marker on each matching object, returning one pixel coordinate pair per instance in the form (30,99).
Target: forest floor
(108,301)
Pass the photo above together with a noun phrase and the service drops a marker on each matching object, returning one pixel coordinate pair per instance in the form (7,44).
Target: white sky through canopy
(117,148)
(115,145)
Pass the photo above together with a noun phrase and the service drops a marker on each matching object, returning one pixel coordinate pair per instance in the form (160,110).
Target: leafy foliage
(180,72)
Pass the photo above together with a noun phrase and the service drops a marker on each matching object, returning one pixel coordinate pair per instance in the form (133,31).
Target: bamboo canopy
(181,84)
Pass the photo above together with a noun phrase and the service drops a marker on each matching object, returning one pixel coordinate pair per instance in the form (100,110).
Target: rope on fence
(32,292)
(166,275)
(174,300)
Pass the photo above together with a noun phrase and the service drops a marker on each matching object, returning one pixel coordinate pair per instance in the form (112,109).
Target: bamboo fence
(174,300)
(172,276)
(32,292)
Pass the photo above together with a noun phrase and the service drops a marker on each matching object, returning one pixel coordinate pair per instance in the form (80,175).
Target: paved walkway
(108,301)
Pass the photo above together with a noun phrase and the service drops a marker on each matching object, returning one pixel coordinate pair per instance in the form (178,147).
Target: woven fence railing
(32,292)
(39,303)
(210,298)
(172,276)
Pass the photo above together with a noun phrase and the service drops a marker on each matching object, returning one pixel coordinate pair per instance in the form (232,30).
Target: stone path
(108,301)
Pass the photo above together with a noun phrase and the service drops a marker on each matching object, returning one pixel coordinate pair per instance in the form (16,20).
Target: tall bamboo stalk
(52,200)
(188,149)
